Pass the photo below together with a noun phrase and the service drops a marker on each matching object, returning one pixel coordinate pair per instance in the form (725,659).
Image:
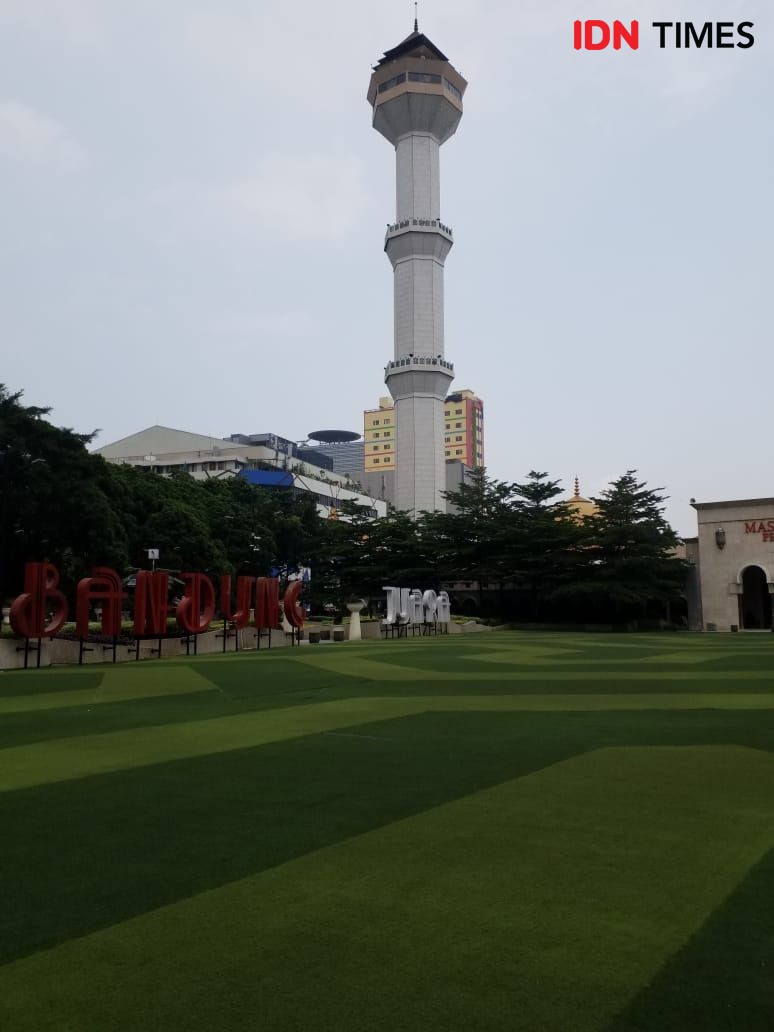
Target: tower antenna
(416,15)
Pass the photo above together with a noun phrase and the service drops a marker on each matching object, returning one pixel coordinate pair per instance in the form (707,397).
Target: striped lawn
(547,832)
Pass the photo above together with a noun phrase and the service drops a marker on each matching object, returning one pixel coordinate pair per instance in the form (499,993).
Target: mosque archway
(755,600)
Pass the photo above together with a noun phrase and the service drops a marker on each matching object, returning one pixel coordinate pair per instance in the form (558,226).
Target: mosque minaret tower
(416,96)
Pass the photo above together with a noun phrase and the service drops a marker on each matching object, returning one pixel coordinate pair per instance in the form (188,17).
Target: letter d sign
(583,35)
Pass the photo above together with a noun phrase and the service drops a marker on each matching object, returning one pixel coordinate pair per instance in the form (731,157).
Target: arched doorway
(755,600)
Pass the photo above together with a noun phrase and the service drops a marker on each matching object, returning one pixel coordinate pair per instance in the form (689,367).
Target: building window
(396,80)
(458,437)
(376,434)
(452,89)
(458,451)
(458,412)
(458,425)
(376,422)
(376,462)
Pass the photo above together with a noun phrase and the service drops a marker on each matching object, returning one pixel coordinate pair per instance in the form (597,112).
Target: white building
(416,96)
(732,581)
(263,459)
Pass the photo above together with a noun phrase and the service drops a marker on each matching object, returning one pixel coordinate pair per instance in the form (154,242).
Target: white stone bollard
(354,608)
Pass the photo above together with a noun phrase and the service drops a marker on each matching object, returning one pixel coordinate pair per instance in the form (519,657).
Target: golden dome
(580,506)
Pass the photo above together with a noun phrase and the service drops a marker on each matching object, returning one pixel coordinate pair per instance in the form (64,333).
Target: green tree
(543,543)
(361,555)
(630,564)
(472,539)
(54,498)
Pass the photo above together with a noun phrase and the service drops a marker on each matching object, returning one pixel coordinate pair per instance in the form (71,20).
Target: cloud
(264,43)
(76,21)
(295,197)
(28,136)
(295,324)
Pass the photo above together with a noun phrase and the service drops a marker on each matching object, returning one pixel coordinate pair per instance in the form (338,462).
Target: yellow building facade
(379,437)
(463,432)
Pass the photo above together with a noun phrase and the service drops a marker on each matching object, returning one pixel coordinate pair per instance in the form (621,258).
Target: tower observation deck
(416,97)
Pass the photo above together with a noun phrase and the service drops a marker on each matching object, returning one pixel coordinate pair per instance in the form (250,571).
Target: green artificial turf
(490,832)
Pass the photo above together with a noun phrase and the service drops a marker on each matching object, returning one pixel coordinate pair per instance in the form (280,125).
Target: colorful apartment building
(379,437)
(463,432)
(464,428)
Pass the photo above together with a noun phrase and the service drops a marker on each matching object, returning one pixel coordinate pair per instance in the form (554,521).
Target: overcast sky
(193,203)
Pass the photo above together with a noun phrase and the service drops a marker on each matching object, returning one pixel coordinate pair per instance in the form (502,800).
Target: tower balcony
(420,362)
(418,226)
(419,375)
(418,238)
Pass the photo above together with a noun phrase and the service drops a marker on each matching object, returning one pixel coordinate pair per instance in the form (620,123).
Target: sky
(193,205)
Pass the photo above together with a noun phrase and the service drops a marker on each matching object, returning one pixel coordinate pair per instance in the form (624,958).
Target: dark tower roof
(415,45)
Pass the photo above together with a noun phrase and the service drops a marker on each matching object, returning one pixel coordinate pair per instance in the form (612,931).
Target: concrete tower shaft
(416,97)
(417,177)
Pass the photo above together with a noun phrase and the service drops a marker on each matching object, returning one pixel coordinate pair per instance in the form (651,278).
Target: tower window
(423,77)
(452,89)
(396,80)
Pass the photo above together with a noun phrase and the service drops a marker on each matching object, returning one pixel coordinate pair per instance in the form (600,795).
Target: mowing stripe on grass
(63,759)
(66,758)
(724,975)
(373,670)
(115,686)
(32,682)
(564,658)
(544,903)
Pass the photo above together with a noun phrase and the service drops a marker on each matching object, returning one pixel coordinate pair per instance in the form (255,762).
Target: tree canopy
(527,554)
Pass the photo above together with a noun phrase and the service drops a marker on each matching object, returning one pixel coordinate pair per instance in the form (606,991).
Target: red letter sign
(293,611)
(604,29)
(28,611)
(241,616)
(197,607)
(150,604)
(103,586)
(631,35)
(266,603)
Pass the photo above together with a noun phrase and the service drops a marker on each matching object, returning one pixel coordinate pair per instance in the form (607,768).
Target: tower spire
(577,488)
(416,15)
